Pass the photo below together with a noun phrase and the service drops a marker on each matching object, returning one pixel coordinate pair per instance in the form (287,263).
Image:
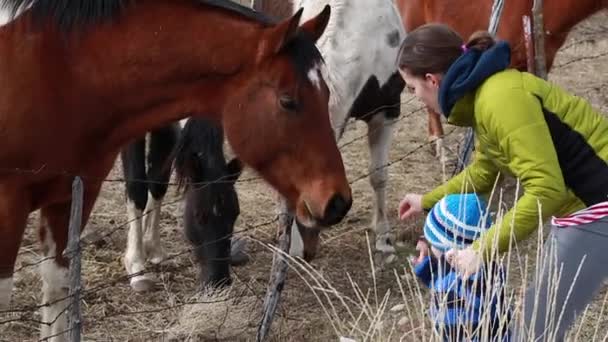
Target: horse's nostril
(336,209)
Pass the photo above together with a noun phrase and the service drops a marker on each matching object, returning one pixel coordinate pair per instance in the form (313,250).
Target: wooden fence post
(495,16)
(278,273)
(529,43)
(538,28)
(73,252)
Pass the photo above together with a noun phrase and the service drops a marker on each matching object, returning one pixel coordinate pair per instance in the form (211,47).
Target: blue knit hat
(456,221)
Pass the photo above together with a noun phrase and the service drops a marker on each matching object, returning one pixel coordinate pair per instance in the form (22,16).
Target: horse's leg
(54,223)
(436,133)
(162,143)
(296,241)
(14,210)
(380,133)
(309,239)
(134,170)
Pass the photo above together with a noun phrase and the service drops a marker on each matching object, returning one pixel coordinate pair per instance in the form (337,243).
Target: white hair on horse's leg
(152,246)
(380,132)
(6,288)
(134,256)
(54,291)
(296,244)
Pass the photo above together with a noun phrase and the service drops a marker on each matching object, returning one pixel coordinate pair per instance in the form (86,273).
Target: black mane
(75,14)
(70,14)
(240,9)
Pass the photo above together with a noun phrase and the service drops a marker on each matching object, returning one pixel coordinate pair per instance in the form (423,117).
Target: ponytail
(480,40)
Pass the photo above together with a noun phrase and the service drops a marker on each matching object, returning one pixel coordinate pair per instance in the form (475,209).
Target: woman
(552,141)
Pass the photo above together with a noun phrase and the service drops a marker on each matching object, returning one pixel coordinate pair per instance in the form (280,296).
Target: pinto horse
(212,204)
(146,165)
(211,200)
(360,46)
(560,16)
(83,78)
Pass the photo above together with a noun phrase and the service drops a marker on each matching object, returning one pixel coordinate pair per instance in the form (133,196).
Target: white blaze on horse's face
(315,75)
(6,287)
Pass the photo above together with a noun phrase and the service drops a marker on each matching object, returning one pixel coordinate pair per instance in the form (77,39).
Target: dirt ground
(175,310)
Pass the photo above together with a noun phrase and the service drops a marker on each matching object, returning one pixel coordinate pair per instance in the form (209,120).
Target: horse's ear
(280,35)
(234,169)
(317,25)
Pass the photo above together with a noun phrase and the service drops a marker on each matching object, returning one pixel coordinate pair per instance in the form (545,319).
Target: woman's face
(426,88)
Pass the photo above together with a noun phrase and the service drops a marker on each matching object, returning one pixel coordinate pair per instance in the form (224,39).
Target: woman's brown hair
(432,48)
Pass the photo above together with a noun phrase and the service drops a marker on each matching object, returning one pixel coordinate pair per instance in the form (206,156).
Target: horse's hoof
(157,259)
(216,284)
(157,256)
(239,259)
(238,256)
(141,284)
(383,245)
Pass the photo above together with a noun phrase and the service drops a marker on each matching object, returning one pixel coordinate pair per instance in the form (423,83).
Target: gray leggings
(571,244)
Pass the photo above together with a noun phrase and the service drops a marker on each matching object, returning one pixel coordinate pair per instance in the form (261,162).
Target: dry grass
(367,315)
(173,310)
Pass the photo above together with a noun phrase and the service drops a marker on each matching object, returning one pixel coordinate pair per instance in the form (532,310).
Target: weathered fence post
(73,252)
(538,28)
(278,273)
(495,16)
(497,7)
(529,43)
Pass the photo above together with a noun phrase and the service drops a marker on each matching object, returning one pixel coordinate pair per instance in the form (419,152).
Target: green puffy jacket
(552,141)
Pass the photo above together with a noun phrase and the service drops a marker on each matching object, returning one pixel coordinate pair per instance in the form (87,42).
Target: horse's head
(278,122)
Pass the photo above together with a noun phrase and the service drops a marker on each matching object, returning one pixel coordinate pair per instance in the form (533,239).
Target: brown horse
(468,16)
(80,79)
(360,48)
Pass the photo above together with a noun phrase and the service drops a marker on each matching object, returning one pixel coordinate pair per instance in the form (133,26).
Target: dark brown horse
(468,16)
(80,79)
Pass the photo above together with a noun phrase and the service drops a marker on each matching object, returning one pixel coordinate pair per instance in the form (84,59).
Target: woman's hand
(466,261)
(410,206)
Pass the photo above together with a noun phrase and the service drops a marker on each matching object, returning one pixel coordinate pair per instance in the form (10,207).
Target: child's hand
(423,247)
(466,261)
(410,206)
(424,250)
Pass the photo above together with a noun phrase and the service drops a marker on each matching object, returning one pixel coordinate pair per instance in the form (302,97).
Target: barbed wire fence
(78,293)
(73,252)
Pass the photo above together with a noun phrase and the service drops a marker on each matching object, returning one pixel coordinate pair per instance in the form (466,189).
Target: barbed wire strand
(191,249)
(154,268)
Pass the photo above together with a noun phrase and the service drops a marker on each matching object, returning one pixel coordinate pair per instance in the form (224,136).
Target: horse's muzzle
(336,210)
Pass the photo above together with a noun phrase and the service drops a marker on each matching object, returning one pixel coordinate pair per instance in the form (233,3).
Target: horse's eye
(288,103)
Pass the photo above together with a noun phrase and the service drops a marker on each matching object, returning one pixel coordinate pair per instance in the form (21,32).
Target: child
(458,306)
